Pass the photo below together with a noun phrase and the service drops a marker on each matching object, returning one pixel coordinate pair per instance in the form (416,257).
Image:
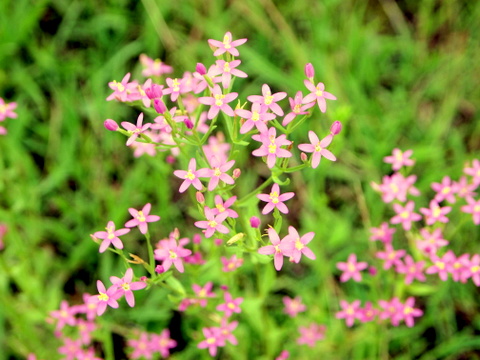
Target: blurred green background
(405,73)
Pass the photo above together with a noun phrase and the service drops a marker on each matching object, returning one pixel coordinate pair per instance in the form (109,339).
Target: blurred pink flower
(293,306)
(399,159)
(311,334)
(351,269)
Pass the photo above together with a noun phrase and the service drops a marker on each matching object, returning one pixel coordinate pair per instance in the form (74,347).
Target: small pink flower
(297,108)
(125,286)
(162,343)
(231,264)
(399,159)
(221,206)
(213,223)
(268,100)
(213,340)
(218,171)
(110,237)
(435,213)
(473,208)
(70,349)
(278,248)
(317,94)
(405,215)
(6,110)
(446,190)
(293,306)
(349,312)
(258,117)
(382,233)
(441,265)
(318,148)
(203,293)
(141,218)
(135,131)
(227,45)
(429,243)
(409,312)
(105,297)
(298,245)
(367,313)
(65,316)
(275,200)
(191,176)
(141,347)
(390,256)
(122,90)
(218,101)
(227,69)
(351,269)
(171,253)
(231,305)
(272,146)
(311,334)
(154,67)
(411,269)
(474,171)
(392,310)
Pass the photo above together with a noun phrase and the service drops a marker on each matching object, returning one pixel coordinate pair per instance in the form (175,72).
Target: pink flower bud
(372,270)
(200,197)
(159,269)
(143,278)
(224,287)
(236,173)
(201,69)
(309,71)
(188,123)
(197,239)
(254,222)
(170,159)
(217,242)
(154,92)
(159,106)
(336,128)
(110,125)
(303,156)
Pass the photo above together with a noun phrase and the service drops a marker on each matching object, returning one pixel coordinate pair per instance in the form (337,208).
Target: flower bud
(217,242)
(197,239)
(236,173)
(201,69)
(372,270)
(188,123)
(309,71)
(154,92)
(110,125)
(170,159)
(159,269)
(159,106)
(200,197)
(303,156)
(336,128)
(254,222)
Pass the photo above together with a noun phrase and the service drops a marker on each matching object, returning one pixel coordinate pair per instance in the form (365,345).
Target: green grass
(405,76)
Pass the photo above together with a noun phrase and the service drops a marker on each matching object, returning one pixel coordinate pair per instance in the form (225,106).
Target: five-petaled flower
(318,148)
(318,94)
(272,146)
(275,200)
(213,222)
(110,236)
(218,101)
(141,218)
(125,286)
(135,131)
(227,45)
(191,176)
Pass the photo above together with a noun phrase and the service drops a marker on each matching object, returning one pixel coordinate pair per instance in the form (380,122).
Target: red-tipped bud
(201,69)
(254,222)
(237,173)
(303,156)
(154,92)
(336,128)
(159,269)
(200,197)
(188,123)
(110,125)
(309,71)
(372,270)
(224,287)
(159,106)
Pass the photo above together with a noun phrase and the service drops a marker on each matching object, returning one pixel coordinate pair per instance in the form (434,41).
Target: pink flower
(405,215)
(227,45)
(441,265)
(191,176)
(367,313)
(154,67)
(284,355)
(231,264)
(175,88)
(70,349)
(269,100)
(392,310)
(64,316)
(474,171)
(317,94)
(218,101)
(88,354)
(382,233)
(399,159)
(213,340)
(218,172)
(6,110)
(351,269)
(311,334)
(435,213)
(275,200)
(221,207)
(203,293)
(135,131)
(171,253)
(141,347)
(227,69)
(125,286)
(397,187)
(445,190)
(278,248)
(162,343)
(141,218)
(411,269)
(429,243)
(297,108)
(464,189)
(271,146)
(226,331)
(231,305)
(257,117)
(213,223)
(298,245)
(105,297)
(122,90)
(318,148)
(472,269)
(349,312)
(217,147)
(110,237)
(473,208)
(390,256)
(293,306)
(409,312)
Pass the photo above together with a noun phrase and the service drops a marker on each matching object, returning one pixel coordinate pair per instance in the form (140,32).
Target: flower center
(217,172)
(226,67)
(255,116)
(119,86)
(272,148)
(141,217)
(298,244)
(190,175)
(274,197)
(126,286)
(212,224)
(220,207)
(268,99)
(103,297)
(219,99)
(318,148)
(176,85)
(173,254)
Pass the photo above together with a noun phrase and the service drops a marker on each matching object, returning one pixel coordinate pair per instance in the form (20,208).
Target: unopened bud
(200,198)
(176,234)
(254,222)
(237,173)
(217,242)
(309,71)
(197,239)
(201,69)
(170,159)
(372,270)
(154,92)
(336,128)
(159,269)
(303,156)
(188,123)
(110,125)
(159,106)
